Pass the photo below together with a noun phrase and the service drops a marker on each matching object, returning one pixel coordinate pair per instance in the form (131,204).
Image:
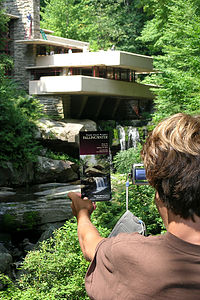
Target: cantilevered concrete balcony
(55,41)
(118,59)
(85,85)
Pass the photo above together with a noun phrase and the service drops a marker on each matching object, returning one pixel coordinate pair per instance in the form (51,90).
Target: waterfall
(122,137)
(132,137)
(101,183)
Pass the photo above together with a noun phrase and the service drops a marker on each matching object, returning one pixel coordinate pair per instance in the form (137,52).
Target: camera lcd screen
(139,174)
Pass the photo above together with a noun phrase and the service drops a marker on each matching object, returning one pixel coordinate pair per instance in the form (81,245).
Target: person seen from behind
(167,266)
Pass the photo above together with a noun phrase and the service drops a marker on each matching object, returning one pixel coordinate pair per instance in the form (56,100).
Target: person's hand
(80,205)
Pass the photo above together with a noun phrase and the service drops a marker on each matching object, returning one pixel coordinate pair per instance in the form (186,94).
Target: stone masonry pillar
(23,54)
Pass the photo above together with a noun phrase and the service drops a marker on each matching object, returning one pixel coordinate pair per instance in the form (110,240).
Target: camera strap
(127,186)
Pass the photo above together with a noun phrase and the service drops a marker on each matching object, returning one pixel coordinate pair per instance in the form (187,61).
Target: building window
(87,71)
(36,74)
(98,72)
(110,73)
(102,72)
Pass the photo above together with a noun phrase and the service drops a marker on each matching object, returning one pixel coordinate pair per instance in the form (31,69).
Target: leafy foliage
(173,33)
(18,113)
(55,271)
(3,26)
(60,156)
(6,62)
(124,160)
(102,23)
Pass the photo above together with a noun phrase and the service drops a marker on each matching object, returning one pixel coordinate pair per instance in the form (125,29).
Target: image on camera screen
(139,174)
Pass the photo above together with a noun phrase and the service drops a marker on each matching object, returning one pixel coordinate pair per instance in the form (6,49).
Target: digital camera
(138,174)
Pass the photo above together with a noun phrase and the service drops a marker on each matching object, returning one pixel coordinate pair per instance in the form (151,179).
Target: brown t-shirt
(131,266)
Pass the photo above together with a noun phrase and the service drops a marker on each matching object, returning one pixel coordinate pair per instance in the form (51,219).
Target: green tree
(18,113)
(3,26)
(130,20)
(120,23)
(173,37)
(67,18)
(42,3)
(102,23)
(5,62)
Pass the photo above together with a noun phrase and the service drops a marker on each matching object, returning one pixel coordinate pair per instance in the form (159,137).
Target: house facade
(68,79)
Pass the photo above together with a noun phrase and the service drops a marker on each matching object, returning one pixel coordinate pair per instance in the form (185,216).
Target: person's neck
(186,230)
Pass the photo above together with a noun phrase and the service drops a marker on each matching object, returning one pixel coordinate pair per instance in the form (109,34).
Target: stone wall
(23,55)
(66,106)
(52,105)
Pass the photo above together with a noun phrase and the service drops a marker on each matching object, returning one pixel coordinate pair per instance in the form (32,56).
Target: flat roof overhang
(85,85)
(117,59)
(47,31)
(60,42)
(10,16)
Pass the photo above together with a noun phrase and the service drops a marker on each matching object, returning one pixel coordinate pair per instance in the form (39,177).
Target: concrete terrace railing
(80,85)
(68,42)
(136,62)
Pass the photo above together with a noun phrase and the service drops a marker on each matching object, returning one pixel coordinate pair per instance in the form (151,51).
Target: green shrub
(55,271)
(6,63)
(18,113)
(124,160)
(60,156)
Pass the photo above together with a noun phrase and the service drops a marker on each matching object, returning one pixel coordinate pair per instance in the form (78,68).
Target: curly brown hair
(171,157)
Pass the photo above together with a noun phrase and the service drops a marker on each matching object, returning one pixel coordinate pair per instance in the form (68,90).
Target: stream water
(35,205)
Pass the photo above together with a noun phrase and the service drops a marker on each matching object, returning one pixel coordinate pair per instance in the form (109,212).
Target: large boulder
(63,136)
(43,171)
(50,170)
(9,175)
(5,262)
(67,130)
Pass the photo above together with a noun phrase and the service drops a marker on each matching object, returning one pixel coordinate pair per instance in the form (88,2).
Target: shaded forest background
(102,23)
